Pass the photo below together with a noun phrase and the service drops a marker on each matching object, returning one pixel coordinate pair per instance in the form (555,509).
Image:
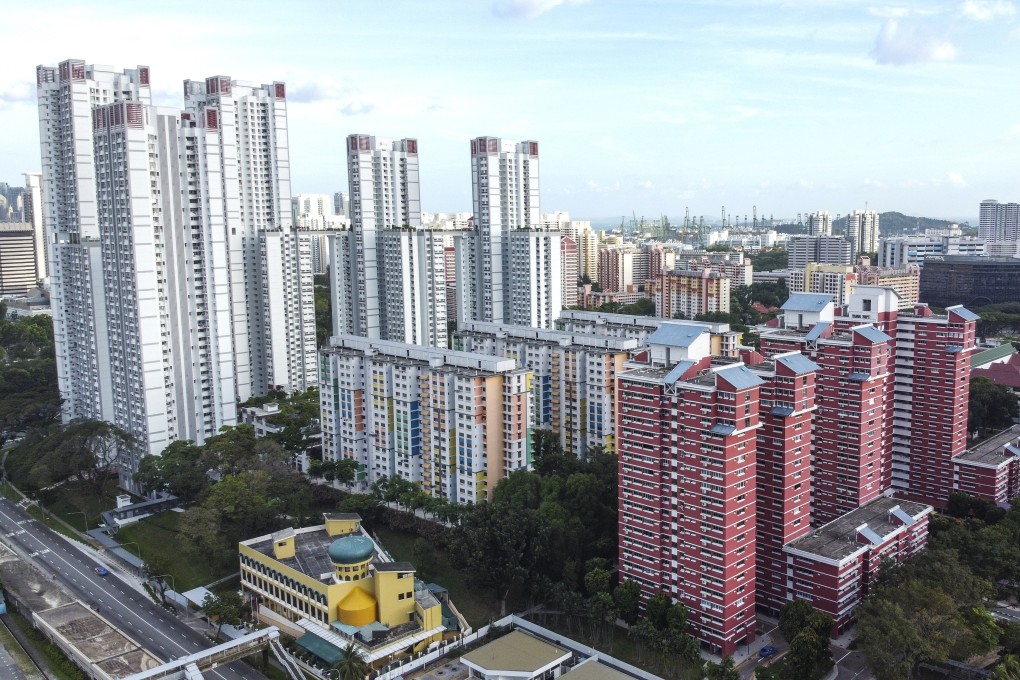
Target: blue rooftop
(817,330)
(677,372)
(859,376)
(798,363)
(807,302)
(740,377)
(963,313)
(676,334)
(719,428)
(873,334)
(782,411)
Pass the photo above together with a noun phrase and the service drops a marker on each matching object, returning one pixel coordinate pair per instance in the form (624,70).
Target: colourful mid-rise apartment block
(453,422)
(574,385)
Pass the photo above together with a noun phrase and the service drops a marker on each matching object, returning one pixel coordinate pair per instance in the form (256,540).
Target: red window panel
(134,115)
(212,119)
(143,75)
(281,90)
(212,85)
(533,148)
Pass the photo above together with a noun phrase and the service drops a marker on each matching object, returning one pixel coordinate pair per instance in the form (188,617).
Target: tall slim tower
(395,270)
(509,265)
(820,223)
(862,231)
(999,221)
(34,216)
(67,95)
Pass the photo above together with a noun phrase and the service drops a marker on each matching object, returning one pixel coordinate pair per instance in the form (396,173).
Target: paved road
(150,626)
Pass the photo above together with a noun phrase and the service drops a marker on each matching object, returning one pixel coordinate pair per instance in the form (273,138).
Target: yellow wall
(284,550)
(342,527)
(392,610)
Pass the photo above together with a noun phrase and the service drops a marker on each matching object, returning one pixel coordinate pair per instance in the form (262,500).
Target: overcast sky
(639,105)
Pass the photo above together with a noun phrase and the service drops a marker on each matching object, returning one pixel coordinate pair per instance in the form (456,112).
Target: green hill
(895,223)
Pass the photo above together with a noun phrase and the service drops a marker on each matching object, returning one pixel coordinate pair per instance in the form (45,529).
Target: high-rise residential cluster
(180,286)
(392,274)
(748,481)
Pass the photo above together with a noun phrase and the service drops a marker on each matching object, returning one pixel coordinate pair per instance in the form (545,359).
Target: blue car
(101,571)
(766,651)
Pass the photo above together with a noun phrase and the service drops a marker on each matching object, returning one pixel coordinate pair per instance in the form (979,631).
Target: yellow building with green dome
(334,582)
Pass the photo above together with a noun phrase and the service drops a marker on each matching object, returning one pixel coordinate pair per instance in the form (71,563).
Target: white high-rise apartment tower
(999,221)
(862,231)
(168,306)
(388,273)
(509,265)
(820,223)
(34,216)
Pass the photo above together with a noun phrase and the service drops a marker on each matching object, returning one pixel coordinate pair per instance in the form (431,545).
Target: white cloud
(986,10)
(898,12)
(1012,133)
(528,9)
(956,179)
(901,43)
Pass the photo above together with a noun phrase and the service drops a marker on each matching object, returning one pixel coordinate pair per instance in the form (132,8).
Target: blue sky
(641,105)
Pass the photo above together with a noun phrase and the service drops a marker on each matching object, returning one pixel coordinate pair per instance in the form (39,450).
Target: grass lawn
(158,536)
(17,652)
(71,502)
(625,649)
(478,607)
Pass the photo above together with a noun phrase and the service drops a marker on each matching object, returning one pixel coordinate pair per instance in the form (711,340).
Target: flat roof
(593,670)
(516,651)
(98,641)
(555,337)
(311,551)
(989,452)
(427,355)
(839,538)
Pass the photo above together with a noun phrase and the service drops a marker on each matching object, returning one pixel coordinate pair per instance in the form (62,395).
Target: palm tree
(1008,668)
(353,666)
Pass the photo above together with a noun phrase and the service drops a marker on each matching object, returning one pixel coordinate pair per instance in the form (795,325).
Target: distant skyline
(645,106)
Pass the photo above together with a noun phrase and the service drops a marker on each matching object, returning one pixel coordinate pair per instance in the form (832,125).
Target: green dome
(351,550)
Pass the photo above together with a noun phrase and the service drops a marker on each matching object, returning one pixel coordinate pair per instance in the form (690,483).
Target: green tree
(627,596)
(725,670)
(225,608)
(426,561)
(353,666)
(1007,669)
(890,641)
(803,658)
(596,581)
(794,617)
(991,406)
(86,450)
(657,610)
(179,470)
